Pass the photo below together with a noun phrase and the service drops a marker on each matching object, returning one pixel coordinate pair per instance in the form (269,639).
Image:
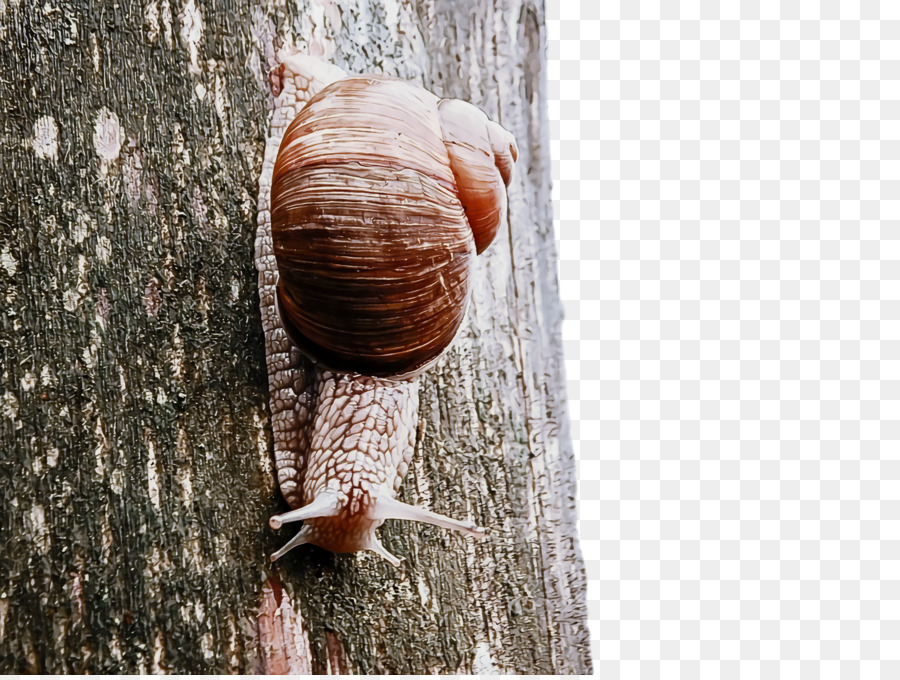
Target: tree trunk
(136,475)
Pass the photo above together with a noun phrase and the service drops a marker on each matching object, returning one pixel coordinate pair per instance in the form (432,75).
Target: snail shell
(381,196)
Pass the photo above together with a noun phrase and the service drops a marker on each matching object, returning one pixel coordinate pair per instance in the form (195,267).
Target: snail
(375,197)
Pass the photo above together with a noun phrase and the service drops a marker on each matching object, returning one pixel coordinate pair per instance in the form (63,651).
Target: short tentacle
(376,547)
(300,539)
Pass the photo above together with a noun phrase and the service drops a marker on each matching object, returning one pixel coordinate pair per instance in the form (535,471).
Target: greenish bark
(135,456)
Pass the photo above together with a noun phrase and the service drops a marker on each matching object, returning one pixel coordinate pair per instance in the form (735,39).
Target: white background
(727,199)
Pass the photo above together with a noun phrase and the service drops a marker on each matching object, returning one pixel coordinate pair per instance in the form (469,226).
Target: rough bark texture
(135,449)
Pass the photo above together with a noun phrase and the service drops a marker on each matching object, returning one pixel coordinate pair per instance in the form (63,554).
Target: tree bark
(135,448)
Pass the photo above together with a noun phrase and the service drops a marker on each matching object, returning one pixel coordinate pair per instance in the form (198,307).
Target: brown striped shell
(381,196)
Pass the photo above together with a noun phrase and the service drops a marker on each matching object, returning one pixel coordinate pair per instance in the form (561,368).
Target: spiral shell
(381,196)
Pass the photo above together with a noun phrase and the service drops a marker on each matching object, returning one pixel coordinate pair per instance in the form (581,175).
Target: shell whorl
(381,196)
(482,155)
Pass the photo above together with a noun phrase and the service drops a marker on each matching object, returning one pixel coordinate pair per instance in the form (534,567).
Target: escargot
(375,197)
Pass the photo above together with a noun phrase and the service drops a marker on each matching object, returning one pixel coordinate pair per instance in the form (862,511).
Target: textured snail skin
(379,195)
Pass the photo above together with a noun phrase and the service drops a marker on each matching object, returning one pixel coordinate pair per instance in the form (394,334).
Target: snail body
(375,197)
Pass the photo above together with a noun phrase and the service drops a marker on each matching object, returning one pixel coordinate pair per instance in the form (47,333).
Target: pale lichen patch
(101,449)
(193,557)
(183,471)
(201,212)
(424,590)
(106,536)
(220,102)
(201,297)
(166,15)
(29,380)
(9,406)
(80,227)
(8,261)
(70,300)
(37,528)
(178,148)
(117,480)
(176,356)
(115,646)
(234,655)
(159,654)
(483,663)
(102,308)
(76,593)
(151,19)
(152,474)
(260,420)
(206,645)
(222,546)
(49,222)
(73,297)
(104,249)
(108,137)
(152,297)
(72,38)
(192,33)
(4,604)
(95,52)
(132,172)
(91,350)
(45,142)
